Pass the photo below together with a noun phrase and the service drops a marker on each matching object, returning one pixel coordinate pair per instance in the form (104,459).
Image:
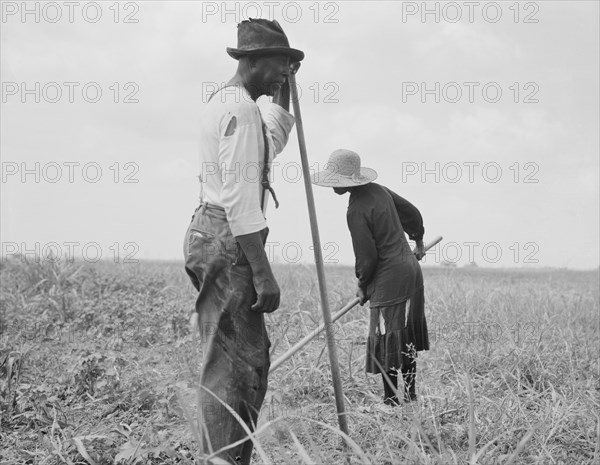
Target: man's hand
(362,296)
(267,289)
(268,293)
(419,250)
(281,96)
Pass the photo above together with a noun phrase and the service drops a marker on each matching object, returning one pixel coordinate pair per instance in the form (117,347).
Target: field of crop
(98,366)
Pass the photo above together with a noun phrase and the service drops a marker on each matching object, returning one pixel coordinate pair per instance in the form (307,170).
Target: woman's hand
(362,296)
(419,250)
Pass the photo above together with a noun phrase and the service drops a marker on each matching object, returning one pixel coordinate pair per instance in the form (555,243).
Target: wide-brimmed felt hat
(261,36)
(343,170)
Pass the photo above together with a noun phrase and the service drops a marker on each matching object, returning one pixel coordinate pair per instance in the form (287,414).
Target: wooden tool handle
(350,305)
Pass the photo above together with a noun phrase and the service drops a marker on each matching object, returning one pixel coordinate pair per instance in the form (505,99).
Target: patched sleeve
(240,169)
(410,217)
(364,247)
(279,123)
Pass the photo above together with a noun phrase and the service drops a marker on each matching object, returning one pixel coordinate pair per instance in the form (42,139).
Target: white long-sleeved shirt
(231,165)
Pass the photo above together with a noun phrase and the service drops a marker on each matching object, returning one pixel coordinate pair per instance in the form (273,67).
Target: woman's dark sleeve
(410,217)
(365,250)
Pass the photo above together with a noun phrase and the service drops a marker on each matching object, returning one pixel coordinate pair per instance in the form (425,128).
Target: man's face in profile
(271,71)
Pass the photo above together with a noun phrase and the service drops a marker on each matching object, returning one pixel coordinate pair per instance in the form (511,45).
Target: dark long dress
(389,274)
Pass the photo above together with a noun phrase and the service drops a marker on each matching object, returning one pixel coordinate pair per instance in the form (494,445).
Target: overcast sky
(485,116)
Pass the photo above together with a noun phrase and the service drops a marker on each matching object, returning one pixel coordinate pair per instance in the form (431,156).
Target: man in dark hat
(224,244)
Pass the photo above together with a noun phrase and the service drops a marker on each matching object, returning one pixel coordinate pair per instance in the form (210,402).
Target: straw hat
(343,170)
(261,36)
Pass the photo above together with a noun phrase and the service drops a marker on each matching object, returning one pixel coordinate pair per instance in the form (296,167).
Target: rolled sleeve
(279,123)
(240,171)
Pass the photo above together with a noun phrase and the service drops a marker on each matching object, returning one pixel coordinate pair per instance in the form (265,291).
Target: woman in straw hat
(388,272)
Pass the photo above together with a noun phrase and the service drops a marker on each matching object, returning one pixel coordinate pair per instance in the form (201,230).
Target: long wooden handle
(336,378)
(309,337)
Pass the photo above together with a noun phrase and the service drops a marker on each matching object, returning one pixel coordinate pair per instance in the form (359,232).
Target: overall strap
(218,90)
(266,185)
